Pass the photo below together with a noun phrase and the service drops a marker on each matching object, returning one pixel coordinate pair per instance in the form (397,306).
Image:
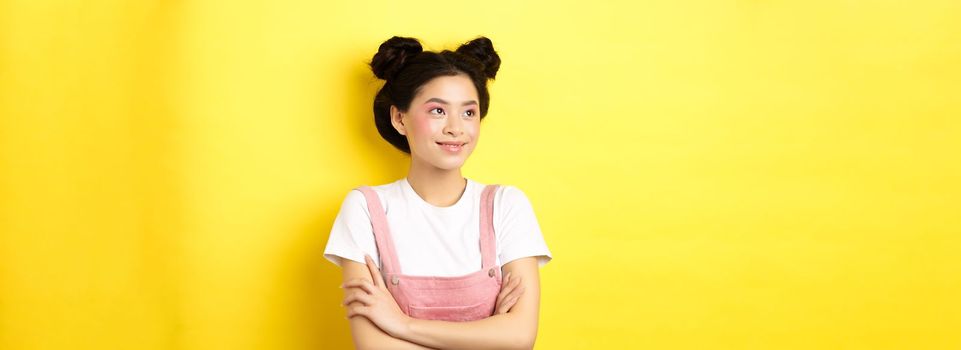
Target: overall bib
(458,298)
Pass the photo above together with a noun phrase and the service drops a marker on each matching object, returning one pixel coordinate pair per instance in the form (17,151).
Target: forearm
(515,329)
(366,335)
(503,331)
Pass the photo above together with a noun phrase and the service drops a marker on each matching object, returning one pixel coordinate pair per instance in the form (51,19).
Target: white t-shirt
(437,241)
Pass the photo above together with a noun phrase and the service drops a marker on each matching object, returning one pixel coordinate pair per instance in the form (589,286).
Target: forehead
(452,88)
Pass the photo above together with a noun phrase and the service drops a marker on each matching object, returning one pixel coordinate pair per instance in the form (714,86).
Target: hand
(511,290)
(375,302)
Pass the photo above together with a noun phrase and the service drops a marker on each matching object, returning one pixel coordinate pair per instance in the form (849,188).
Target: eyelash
(471,111)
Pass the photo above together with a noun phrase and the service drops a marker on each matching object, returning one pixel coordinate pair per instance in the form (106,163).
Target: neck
(439,187)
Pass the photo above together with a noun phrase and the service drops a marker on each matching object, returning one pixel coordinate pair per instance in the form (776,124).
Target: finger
(507,287)
(506,305)
(374,271)
(503,308)
(357,310)
(342,285)
(516,293)
(353,282)
(361,297)
(516,281)
(511,300)
(505,291)
(509,303)
(506,281)
(363,284)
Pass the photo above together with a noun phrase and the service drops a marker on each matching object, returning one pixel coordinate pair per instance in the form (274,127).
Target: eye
(438,110)
(469,113)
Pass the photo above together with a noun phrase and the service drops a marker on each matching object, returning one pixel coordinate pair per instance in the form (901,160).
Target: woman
(423,257)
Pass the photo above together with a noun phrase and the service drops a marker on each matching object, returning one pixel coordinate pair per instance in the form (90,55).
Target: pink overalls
(459,298)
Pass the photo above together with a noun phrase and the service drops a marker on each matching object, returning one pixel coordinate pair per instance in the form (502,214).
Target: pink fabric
(460,298)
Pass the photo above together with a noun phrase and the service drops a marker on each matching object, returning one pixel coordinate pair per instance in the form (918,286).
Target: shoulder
(356,199)
(503,190)
(505,194)
(511,195)
(511,200)
(355,202)
(354,206)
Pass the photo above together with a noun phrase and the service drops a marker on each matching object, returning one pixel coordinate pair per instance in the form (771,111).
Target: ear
(397,120)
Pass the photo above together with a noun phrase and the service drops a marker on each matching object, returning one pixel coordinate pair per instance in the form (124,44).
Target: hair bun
(392,55)
(482,50)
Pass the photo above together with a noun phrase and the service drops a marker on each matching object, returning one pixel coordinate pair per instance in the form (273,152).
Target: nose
(454,127)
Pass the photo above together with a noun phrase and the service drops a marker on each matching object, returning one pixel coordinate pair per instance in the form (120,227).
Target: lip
(452,147)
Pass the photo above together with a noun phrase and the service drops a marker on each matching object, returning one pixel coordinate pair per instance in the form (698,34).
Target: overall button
(394,280)
(490,272)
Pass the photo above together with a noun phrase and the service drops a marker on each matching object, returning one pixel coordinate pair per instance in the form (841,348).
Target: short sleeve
(352,235)
(516,227)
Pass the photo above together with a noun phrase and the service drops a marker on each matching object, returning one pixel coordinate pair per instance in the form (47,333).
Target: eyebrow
(435,99)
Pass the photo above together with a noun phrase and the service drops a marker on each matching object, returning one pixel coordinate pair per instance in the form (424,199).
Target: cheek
(421,125)
(472,129)
(425,127)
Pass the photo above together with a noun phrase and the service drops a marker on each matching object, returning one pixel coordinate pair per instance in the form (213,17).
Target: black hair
(406,67)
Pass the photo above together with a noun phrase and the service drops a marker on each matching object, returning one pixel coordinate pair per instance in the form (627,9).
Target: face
(442,124)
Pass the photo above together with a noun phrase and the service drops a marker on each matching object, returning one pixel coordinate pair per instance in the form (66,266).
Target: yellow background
(707,174)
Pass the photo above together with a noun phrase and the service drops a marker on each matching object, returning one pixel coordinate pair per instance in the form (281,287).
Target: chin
(449,165)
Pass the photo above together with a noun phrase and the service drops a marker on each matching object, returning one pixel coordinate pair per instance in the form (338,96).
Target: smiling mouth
(451,147)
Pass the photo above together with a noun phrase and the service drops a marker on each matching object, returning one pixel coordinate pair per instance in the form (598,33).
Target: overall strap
(487,238)
(385,243)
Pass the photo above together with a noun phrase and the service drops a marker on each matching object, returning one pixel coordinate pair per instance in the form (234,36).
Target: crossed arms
(376,322)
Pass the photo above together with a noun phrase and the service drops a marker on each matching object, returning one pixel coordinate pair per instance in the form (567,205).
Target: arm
(366,335)
(516,329)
